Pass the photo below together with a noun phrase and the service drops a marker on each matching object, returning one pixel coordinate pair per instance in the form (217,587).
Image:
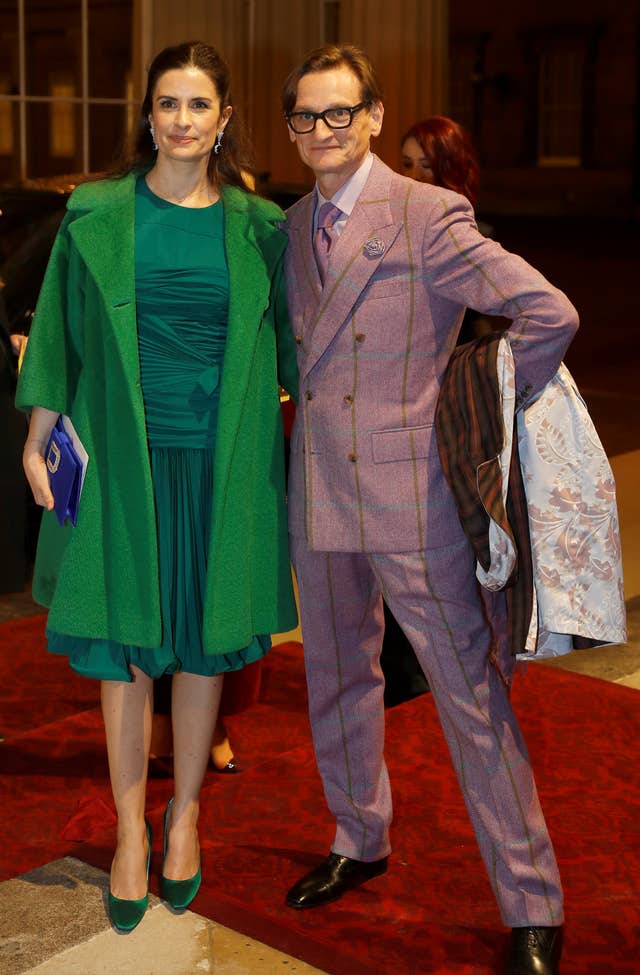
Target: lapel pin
(374,247)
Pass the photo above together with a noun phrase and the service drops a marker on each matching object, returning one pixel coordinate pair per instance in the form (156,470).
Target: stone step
(54,922)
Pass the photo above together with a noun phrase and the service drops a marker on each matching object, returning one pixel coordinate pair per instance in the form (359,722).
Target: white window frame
(22,99)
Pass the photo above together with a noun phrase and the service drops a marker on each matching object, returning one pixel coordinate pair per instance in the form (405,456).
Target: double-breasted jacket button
(348,398)
(309,394)
(359,336)
(299,339)
(352,458)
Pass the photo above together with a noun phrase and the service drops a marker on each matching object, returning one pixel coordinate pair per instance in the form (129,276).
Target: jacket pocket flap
(406,443)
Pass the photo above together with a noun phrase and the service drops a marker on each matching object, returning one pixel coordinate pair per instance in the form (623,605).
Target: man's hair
(328,57)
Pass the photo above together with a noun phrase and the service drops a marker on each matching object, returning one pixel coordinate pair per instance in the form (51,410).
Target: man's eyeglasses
(335,118)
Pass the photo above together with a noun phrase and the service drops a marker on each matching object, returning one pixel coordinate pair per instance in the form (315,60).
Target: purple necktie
(322,240)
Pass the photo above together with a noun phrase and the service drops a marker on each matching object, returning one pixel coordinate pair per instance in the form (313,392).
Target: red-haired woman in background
(439,151)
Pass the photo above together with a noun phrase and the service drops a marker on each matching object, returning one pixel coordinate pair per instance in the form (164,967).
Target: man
(380,269)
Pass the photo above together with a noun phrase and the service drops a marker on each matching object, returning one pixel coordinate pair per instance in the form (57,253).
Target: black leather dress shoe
(331,879)
(534,951)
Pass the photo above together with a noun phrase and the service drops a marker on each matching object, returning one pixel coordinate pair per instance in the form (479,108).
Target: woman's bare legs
(127,709)
(194,709)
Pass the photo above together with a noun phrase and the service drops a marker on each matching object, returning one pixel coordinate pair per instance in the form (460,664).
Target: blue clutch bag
(66,473)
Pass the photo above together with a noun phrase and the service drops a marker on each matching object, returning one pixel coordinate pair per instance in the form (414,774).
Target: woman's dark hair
(449,153)
(328,57)
(229,166)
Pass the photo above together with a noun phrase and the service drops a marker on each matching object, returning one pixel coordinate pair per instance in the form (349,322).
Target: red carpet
(434,911)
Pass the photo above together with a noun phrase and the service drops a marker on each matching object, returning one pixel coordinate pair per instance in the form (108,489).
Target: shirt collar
(347,196)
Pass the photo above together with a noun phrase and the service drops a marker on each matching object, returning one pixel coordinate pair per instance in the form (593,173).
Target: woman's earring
(218,146)
(153,135)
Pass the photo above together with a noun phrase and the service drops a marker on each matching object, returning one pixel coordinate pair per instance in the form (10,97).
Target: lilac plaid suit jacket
(373,344)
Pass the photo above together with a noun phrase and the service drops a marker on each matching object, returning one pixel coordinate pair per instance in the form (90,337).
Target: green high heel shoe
(177,893)
(124,914)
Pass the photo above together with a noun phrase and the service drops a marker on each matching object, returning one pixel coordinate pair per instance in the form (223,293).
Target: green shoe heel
(124,914)
(177,893)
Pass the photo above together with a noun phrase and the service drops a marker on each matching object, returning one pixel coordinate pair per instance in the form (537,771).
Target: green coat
(100,579)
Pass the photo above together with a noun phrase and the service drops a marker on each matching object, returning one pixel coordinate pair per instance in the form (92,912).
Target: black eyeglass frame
(352,110)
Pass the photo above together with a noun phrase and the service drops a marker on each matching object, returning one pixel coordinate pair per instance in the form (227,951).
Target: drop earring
(153,135)
(218,145)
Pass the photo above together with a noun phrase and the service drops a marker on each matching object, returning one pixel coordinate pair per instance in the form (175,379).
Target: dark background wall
(497,49)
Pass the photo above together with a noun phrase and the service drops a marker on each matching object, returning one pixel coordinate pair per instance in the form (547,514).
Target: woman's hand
(18,343)
(40,427)
(36,470)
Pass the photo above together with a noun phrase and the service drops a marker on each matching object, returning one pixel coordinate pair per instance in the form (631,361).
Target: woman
(439,151)
(161,330)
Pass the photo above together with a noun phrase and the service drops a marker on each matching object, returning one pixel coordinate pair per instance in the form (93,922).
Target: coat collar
(254,245)
(257,222)
(369,232)
(104,232)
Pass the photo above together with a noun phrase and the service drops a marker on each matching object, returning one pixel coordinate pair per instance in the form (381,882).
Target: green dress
(182,298)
